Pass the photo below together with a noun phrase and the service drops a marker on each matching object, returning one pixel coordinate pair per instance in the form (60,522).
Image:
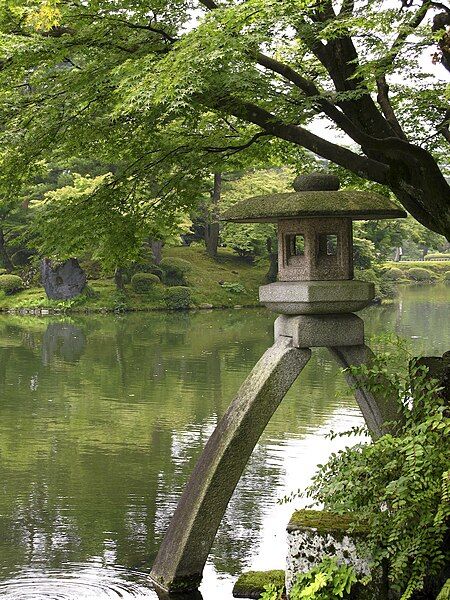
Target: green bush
(420,274)
(438,256)
(394,274)
(3,272)
(143,282)
(398,486)
(384,288)
(447,276)
(11,284)
(435,266)
(175,271)
(177,297)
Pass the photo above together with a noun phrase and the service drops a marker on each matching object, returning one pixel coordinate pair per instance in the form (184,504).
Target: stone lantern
(316,297)
(315,244)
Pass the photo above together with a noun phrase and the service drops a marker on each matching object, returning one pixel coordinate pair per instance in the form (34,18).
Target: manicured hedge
(437,266)
(419,274)
(143,282)
(175,271)
(11,284)
(177,297)
(394,273)
(438,256)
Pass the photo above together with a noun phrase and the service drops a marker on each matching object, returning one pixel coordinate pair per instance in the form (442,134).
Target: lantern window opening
(328,244)
(295,248)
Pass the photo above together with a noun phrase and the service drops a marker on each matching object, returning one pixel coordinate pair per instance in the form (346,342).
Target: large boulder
(64,280)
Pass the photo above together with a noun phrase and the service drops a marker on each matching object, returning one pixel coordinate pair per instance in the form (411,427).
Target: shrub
(394,274)
(175,271)
(399,485)
(3,272)
(420,274)
(438,267)
(143,282)
(178,297)
(438,256)
(447,276)
(11,284)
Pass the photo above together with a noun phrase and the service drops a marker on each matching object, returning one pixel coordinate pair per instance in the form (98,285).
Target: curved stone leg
(191,532)
(376,410)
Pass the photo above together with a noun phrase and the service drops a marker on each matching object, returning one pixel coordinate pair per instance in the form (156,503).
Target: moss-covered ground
(211,283)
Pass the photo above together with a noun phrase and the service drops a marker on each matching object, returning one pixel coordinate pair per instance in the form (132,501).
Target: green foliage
(394,273)
(272,592)
(447,276)
(177,298)
(420,274)
(399,484)
(445,592)
(143,282)
(325,581)
(364,254)
(384,288)
(3,272)
(233,286)
(437,267)
(438,256)
(175,270)
(11,284)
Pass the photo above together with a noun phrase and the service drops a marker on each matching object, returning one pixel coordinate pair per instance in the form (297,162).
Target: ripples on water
(103,418)
(77,582)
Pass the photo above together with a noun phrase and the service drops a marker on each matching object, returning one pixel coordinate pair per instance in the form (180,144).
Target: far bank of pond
(227,282)
(103,417)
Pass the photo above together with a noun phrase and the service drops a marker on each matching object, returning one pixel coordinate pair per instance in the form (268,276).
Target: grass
(212,282)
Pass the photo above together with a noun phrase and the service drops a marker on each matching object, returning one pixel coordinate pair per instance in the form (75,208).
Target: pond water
(103,417)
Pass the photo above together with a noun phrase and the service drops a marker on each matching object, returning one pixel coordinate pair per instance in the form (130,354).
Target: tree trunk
(272,273)
(212,216)
(156,246)
(4,253)
(118,279)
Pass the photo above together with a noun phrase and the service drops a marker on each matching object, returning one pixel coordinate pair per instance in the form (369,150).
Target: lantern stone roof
(322,199)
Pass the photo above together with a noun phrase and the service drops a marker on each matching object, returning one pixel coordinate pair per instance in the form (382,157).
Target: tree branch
(235,149)
(361,165)
(386,106)
(209,4)
(310,89)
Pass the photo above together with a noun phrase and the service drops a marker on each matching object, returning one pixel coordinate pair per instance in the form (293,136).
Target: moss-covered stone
(324,522)
(444,594)
(252,583)
(293,205)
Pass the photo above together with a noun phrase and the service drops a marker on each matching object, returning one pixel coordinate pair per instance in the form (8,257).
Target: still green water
(102,419)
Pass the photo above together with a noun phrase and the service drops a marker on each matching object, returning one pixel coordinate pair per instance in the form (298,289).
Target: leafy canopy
(173,91)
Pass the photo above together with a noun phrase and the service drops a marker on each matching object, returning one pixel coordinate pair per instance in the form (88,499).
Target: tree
(85,215)
(173,90)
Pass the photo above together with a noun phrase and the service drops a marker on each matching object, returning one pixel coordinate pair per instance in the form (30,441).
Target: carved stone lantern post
(316,297)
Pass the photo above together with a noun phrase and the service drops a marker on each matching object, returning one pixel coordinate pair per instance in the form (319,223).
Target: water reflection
(63,340)
(101,422)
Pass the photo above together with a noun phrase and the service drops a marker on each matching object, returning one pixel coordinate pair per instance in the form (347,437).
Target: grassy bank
(225,282)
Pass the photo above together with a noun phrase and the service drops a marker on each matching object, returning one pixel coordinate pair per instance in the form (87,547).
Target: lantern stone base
(316,297)
(313,535)
(312,331)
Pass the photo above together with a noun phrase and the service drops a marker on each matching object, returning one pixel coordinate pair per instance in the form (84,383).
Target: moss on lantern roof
(293,205)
